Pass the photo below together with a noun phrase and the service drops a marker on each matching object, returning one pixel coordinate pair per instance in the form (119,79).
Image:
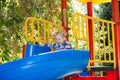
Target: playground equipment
(104,60)
(102,54)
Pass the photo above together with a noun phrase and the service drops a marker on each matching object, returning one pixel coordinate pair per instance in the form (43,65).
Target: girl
(61,43)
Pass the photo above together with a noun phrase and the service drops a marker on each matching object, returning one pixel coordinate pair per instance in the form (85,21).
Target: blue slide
(45,65)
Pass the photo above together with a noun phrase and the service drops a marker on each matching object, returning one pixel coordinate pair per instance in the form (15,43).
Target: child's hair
(61,32)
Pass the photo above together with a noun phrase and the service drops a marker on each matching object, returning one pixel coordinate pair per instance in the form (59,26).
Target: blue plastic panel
(32,49)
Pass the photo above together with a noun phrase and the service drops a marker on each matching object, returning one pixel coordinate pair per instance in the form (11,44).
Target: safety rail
(103,39)
(80,30)
(38,30)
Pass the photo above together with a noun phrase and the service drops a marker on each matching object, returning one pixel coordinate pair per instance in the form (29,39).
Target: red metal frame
(64,16)
(89,10)
(111,75)
(24,49)
(116,18)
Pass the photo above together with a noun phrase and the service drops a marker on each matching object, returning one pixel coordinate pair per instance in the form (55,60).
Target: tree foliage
(105,11)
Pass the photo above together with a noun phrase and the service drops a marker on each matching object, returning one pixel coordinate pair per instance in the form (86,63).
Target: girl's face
(59,39)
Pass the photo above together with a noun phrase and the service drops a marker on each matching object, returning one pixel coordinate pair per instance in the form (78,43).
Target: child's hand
(52,49)
(42,44)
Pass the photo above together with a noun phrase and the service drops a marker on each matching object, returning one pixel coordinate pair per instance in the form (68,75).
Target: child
(61,43)
(60,38)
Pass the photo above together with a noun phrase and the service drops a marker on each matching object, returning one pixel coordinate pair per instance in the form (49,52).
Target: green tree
(105,11)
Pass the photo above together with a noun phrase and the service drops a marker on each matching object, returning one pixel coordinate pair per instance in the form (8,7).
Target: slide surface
(45,66)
